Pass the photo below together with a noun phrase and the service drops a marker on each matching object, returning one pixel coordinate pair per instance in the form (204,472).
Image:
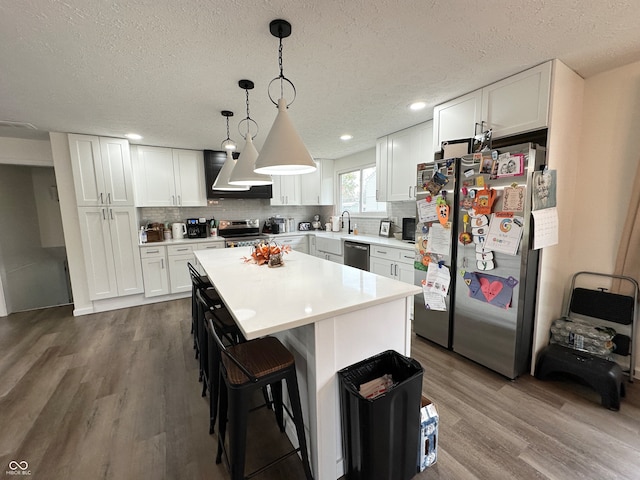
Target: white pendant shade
(283,152)
(243,173)
(222,180)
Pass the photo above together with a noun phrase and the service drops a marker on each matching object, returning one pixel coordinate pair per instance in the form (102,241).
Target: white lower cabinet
(154,271)
(109,243)
(299,243)
(392,262)
(177,257)
(165,269)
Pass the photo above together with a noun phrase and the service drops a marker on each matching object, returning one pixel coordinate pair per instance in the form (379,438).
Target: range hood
(213,162)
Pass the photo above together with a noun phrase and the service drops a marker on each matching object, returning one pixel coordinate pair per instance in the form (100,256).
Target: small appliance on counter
(304,226)
(178,230)
(279,225)
(316,224)
(197,228)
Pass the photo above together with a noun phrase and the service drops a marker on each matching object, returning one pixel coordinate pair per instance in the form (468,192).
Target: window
(358,191)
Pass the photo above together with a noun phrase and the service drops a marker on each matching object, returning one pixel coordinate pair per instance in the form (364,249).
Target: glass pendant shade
(222,180)
(283,152)
(243,173)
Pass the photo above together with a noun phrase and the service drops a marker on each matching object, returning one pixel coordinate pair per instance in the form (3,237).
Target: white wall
(70,222)
(18,151)
(48,207)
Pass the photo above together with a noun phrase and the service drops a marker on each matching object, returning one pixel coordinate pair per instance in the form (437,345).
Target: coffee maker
(197,228)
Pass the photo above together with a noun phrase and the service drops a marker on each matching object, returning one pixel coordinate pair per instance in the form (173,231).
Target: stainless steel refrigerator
(487,314)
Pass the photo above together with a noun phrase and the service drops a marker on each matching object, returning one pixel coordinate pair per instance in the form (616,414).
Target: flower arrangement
(268,253)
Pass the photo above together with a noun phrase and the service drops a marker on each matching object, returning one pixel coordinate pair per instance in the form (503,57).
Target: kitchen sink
(329,245)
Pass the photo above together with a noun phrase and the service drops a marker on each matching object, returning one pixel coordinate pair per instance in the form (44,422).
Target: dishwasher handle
(353,245)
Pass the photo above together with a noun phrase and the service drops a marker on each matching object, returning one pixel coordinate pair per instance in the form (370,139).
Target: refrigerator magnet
(485,265)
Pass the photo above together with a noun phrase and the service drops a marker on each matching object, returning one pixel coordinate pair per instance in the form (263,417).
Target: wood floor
(115,396)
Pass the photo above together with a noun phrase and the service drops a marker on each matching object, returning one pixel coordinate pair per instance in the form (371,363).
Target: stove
(241,233)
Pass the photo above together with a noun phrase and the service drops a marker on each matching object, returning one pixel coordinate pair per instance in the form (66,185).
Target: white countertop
(305,290)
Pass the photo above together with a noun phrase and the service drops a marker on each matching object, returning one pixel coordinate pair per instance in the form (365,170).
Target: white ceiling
(166,68)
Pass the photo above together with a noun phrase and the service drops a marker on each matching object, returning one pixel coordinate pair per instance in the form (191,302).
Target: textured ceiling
(165,68)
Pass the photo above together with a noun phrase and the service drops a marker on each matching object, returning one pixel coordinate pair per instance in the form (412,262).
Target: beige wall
(594,182)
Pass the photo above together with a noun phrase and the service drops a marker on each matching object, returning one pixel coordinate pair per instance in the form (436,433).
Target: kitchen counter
(329,315)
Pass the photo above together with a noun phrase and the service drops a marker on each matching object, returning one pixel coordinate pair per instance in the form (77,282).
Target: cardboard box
(428,446)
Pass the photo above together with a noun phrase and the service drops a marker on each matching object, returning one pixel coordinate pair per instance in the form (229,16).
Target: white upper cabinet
(404,150)
(456,118)
(101,171)
(317,187)
(188,171)
(286,190)
(517,104)
(166,177)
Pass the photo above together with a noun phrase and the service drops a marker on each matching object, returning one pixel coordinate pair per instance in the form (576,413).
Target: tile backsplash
(236,209)
(233,209)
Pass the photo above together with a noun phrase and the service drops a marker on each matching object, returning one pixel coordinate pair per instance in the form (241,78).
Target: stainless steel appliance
(197,228)
(495,335)
(356,255)
(241,233)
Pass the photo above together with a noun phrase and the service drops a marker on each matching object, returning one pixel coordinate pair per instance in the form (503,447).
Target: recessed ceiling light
(417,105)
(346,137)
(133,136)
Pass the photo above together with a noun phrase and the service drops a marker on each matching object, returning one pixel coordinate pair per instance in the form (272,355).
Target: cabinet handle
(318,199)
(104,217)
(109,198)
(173,199)
(162,263)
(182,249)
(396,270)
(391,269)
(111,213)
(409,191)
(376,194)
(382,252)
(179,200)
(153,251)
(101,199)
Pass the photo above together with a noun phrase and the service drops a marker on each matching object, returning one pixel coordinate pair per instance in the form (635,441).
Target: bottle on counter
(355,229)
(143,235)
(213,228)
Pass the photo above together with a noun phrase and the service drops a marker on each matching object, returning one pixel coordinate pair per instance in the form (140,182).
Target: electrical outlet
(394,220)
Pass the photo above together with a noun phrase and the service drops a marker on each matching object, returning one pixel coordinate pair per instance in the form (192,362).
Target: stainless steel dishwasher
(356,255)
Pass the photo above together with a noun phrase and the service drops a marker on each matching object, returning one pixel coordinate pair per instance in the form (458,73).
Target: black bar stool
(198,282)
(210,302)
(244,368)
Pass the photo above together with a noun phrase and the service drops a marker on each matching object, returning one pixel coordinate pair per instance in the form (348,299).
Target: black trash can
(380,436)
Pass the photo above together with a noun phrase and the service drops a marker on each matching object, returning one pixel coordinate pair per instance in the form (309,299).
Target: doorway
(33,258)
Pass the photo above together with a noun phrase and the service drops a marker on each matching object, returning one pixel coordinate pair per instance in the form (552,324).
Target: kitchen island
(328,315)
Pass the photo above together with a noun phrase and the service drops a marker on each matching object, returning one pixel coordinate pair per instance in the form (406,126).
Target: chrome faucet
(349,217)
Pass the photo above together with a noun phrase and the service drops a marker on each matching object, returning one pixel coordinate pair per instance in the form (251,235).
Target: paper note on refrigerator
(433,300)
(427,210)
(439,239)
(504,234)
(545,227)
(438,278)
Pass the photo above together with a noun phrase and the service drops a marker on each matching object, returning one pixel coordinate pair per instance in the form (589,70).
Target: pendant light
(243,173)
(222,180)
(283,152)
